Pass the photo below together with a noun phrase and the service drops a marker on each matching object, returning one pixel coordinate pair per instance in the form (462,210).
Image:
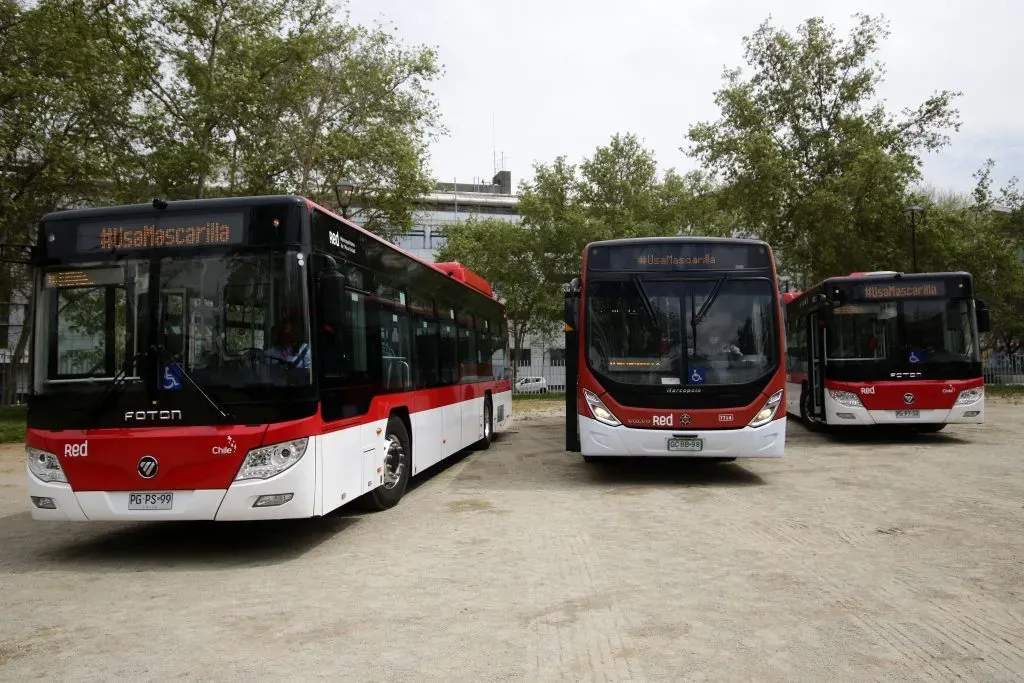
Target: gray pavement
(846,560)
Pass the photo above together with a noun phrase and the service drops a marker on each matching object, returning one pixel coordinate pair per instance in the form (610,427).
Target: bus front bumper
(598,439)
(51,501)
(840,414)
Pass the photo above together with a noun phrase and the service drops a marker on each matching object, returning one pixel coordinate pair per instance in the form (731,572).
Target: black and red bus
(886,348)
(674,347)
(248,358)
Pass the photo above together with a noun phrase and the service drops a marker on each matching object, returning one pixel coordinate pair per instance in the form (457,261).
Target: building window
(521,357)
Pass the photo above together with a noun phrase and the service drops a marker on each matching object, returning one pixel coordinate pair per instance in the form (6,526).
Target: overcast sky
(560,77)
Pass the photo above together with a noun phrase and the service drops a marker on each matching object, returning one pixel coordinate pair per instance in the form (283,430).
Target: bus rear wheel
(397,466)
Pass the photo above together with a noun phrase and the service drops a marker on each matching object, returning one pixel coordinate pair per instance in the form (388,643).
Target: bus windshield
(229,320)
(936,331)
(646,331)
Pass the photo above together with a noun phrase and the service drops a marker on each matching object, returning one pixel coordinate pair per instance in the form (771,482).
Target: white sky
(561,77)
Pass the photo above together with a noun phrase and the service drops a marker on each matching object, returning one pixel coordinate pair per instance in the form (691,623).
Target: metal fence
(14,372)
(1004,369)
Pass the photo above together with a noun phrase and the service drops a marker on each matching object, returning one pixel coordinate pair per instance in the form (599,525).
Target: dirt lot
(869,560)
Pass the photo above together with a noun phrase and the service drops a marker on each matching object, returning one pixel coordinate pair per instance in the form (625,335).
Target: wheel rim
(487,420)
(394,462)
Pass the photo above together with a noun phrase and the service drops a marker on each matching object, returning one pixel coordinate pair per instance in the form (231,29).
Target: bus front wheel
(488,427)
(397,466)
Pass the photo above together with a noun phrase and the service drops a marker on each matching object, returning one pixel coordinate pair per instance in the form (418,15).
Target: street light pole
(913,211)
(343,192)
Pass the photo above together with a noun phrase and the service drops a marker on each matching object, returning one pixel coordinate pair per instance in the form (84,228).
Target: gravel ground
(846,560)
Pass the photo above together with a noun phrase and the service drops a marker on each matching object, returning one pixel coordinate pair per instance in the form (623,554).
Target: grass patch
(538,397)
(12,425)
(1013,391)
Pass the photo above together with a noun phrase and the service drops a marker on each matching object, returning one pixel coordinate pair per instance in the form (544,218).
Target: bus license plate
(908,413)
(150,501)
(685,444)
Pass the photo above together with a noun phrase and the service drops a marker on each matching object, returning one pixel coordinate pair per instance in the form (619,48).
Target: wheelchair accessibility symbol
(172,378)
(697,376)
(914,357)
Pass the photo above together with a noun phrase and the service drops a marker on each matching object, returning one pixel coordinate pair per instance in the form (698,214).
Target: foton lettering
(161,415)
(662,420)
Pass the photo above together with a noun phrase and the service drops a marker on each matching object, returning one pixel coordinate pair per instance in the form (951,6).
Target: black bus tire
(397,460)
(488,417)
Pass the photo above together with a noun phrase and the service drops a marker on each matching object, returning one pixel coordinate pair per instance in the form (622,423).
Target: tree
(504,253)
(614,193)
(66,99)
(68,84)
(269,96)
(809,163)
(983,234)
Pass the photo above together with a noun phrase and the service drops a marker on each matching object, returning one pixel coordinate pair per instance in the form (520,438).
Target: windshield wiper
(698,318)
(103,402)
(161,349)
(647,302)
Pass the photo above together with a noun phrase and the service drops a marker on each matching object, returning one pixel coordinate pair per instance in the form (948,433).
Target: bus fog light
(269,461)
(44,503)
(767,413)
(846,398)
(599,410)
(45,466)
(969,396)
(972,413)
(272,500)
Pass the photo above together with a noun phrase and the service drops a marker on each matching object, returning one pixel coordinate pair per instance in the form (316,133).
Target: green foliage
(279,96)
(504,253)
(982,234)
(12,425)
(614,193)
(66,99)
(809,164)
(119,102)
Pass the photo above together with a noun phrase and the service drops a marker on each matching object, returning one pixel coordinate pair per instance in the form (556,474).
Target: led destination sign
(157,232)
(908,290)
(678,256)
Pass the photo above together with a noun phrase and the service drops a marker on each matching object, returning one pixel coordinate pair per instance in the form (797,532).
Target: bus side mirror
(332,295)
(983,315)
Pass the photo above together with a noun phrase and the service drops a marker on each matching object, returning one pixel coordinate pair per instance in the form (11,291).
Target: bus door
(572,318)
(816,364)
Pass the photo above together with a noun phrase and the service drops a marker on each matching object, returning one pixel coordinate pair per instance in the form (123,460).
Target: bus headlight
(969,396)
(846,398)
(269,461)
(767,413)
(45,466)
(599,410)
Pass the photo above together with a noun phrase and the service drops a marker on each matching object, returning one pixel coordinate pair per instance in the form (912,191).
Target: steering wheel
(254,355)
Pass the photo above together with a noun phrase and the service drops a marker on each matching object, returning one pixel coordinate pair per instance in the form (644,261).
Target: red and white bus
(248,358)
(674,347)
(886,348)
